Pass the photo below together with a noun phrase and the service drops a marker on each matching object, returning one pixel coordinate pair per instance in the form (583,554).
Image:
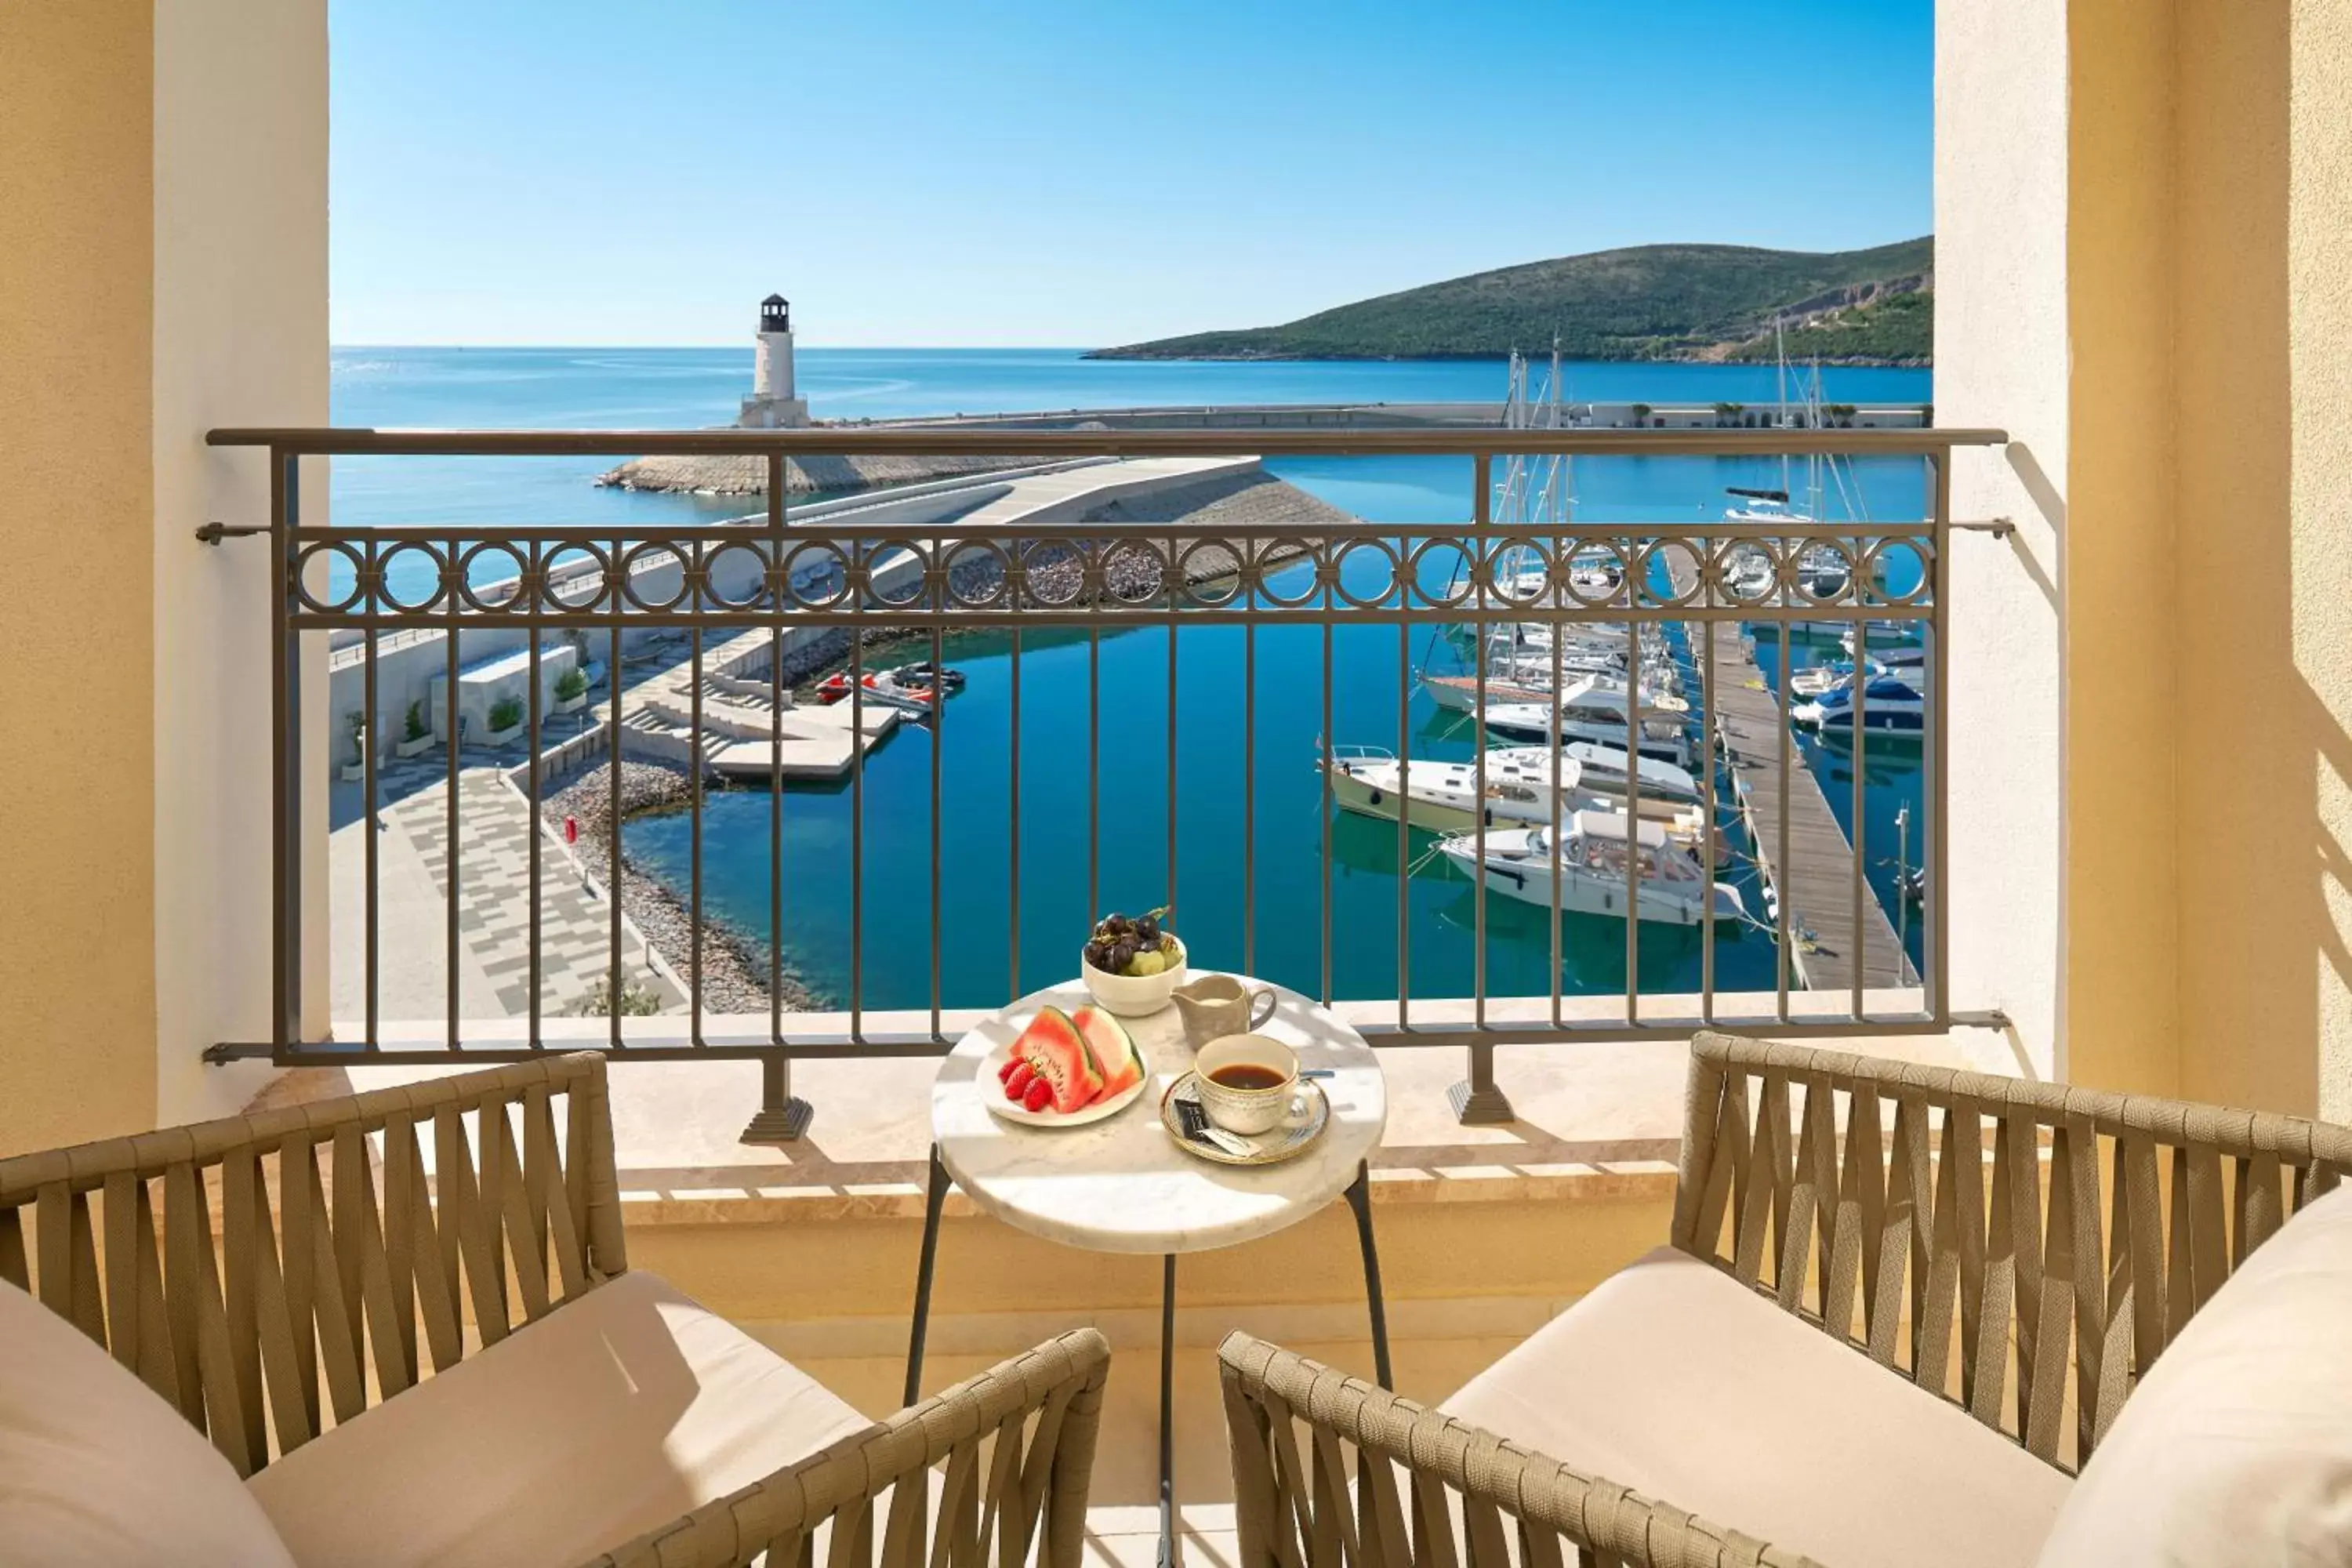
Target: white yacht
(1600,770)
(1445,798)
(1664,739)
(1588,870)
(1592,696)
(1887,705)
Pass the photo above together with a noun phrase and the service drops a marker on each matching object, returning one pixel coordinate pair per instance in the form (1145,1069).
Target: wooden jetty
(1817,883)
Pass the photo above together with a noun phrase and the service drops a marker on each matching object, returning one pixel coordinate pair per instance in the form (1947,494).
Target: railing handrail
(1446,441)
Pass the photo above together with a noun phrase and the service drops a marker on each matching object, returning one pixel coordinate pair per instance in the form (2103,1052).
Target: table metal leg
(1359,1198)
(934,1197)
(1167,1420)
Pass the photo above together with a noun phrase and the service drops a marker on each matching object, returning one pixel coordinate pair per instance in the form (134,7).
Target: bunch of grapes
(1138,946)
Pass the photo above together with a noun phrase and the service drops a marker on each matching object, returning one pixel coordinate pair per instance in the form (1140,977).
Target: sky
(1076,173)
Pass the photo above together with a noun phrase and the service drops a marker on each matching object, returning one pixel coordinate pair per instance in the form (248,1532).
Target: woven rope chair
(2022,1250)
(275,1275)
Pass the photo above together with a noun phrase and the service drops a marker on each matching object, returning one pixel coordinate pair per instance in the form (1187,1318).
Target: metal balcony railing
(1515,599)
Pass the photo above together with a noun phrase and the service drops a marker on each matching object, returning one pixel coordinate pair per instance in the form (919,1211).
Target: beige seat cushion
(613,1414)
(1676,1379)
(96,1468)
(2237,1446)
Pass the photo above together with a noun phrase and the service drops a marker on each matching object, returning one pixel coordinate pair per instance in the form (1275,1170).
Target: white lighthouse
(772,405)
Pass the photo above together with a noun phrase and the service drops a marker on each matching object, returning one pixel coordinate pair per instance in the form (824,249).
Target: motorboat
(1600,770)
(1588,871)
(1663,739)
(1521,785)
(888,687)
(1886,705)
(1596,696)
(1447,798)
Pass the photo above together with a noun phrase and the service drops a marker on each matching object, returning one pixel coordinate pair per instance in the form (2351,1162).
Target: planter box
(570,704)
(416,748)
(355,773)
(501,737)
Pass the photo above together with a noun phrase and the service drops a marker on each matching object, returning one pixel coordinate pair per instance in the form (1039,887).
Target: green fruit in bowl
(1146,964)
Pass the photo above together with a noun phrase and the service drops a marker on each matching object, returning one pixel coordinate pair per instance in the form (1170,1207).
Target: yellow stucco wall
(2182,519)
(2120,780)
(77,835)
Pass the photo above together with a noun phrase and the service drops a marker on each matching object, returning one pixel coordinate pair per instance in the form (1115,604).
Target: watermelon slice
(1113,1049)
(1058,1054)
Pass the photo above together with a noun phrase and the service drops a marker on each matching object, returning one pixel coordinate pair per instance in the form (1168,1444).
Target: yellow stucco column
(77,598)
(164,181)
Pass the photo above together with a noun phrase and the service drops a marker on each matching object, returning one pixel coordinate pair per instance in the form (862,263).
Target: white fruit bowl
(1130,995)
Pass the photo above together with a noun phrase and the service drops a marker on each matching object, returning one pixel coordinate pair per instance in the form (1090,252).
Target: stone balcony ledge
(1597,1119)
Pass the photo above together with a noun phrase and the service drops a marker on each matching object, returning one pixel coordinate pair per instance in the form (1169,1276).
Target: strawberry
(1005,1072)
(1039,1096)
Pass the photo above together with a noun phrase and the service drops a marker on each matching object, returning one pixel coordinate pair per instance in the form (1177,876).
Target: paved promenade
(494,908)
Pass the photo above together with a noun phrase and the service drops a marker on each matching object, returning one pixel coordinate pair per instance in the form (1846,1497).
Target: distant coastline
(1695,305)
(1142,351)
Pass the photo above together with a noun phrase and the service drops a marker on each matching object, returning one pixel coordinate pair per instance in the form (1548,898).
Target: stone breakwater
(1054,575)
(734,967)
(741,475)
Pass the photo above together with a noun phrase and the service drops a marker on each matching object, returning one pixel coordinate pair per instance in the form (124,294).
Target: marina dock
(1818,886)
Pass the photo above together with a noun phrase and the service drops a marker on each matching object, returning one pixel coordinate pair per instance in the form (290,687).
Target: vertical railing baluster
(1477,1099)
(617,980)
(1095,911)
(939,746)
(779,587)
(1560,624)
(1249,792)
(1708,723)
(1012,792)
(1633,733)
(1403,832)
(1480,564)
(1784,724)
(860,551)
(1939,755)
(1323,806)
(1167,583)
(1861,746)
(531,585)
(456,570)
(372,806)
(694,765)
(285,763)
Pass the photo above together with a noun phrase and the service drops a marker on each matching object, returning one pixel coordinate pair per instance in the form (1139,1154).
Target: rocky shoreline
(734,967)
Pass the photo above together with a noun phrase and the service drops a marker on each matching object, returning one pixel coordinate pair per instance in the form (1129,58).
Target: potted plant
(415,735)
(1641,414)
(356,769)
(571,690)
(506,720)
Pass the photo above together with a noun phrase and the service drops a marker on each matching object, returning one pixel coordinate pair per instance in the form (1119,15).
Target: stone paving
(493,842)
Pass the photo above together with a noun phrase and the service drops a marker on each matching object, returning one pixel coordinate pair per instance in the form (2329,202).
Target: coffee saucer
(1267,1148)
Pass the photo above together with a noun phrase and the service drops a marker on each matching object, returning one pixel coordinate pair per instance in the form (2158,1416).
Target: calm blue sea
(1264,912)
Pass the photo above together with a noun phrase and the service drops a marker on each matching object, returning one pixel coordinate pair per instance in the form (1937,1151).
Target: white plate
(991,1094)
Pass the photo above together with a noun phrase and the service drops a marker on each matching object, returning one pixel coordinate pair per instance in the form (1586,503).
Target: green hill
(1646,302)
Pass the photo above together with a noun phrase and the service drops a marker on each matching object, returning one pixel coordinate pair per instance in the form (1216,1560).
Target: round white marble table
(1122,1184)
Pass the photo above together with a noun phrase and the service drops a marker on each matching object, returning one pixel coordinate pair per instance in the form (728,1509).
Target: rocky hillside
(1647,303)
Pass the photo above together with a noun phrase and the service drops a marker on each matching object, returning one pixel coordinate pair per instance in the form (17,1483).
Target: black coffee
(1245,1075)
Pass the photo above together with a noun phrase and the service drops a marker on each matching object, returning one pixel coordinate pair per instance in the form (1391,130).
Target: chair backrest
(322,1239)
(2019,1221)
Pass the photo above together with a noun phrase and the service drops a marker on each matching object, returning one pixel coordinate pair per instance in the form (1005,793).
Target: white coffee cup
(1248,1108)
